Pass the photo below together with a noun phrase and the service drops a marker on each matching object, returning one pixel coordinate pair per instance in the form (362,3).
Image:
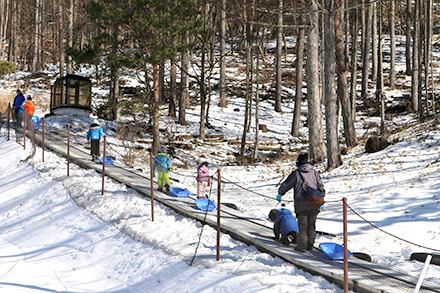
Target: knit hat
(95,121)
(302,159)
(162,149)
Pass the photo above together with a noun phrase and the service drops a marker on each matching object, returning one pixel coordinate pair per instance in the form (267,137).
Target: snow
(59,234)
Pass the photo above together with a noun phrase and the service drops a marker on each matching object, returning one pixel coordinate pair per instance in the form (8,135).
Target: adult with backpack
(303,178)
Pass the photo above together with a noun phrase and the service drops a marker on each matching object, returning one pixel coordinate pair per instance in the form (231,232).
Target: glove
(169,168)
(322,208)
(154,175)
(279,197)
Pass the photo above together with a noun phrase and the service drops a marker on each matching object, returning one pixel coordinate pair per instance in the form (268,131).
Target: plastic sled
(108,161)
(35,122)
(179,192)
(205,205)
(333,250)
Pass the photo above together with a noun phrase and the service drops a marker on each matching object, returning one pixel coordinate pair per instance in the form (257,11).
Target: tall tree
(408,37)
(341,69)
(367,47)
(222,81)
(392,20)
(299,76)
(279,50)
(316,143)
(415,63)
(331,102)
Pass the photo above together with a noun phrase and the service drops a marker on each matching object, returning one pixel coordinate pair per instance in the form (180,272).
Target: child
(286,225)
(95,133)
(163,165)
(203,180)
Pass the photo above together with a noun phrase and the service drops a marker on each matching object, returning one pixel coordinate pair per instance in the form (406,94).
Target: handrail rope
(252,242)
(201,232)
(404,240)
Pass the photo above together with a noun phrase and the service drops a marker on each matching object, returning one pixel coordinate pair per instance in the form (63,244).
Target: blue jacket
(162,162)
(285,223)
(18,101)
(95,132)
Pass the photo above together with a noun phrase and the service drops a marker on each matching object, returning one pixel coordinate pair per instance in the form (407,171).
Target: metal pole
(42,143)
(344,203)
(218,212)
(68,148)
(9,120)
(152,187)
(24,131)
(422,275)
(103,166)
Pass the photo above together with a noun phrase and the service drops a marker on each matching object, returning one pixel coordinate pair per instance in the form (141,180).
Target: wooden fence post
(103,166)
(42,143)
(68,148)
(344,203)
(152,187)
(218,212)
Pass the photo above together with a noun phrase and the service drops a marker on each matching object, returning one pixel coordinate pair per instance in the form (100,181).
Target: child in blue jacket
(163,165)
(285,225)
(94,134)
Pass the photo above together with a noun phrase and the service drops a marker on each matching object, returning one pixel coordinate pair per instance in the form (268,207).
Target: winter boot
(160,188)
(167,187)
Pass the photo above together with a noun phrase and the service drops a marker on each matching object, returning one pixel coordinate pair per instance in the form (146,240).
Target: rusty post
(24,131)
(218,213)
(42,143)
(152,186)
(68,148)
(103,166)
(344,203)
(9,120)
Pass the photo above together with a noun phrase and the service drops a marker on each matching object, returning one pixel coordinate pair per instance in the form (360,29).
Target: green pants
(163,179)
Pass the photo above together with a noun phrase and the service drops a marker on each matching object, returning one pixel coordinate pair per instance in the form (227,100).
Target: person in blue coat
(162,163)
(17,107)
(286,226)
(94,135)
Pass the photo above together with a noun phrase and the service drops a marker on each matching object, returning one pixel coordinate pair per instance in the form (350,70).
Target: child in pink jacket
(203,180)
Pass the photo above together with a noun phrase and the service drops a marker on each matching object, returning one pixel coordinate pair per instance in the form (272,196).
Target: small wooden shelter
(71,94)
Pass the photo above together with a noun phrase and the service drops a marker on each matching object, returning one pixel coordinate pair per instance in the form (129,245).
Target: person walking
(162,163)
(29,106)
(94,135)
(18,101)
(203,180)
(286,226)
(306,214)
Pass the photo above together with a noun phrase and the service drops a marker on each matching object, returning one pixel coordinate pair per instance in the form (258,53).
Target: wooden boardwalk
(363,276)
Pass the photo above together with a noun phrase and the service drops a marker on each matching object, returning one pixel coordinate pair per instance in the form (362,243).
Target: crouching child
(286,226)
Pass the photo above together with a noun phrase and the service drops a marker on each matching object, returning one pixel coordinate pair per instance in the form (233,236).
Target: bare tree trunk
(278,57)
(248,89)
(299,76)
(316,144)
(61,37)
(35,60)
(374,43)
(415,64)
(162,97)
(202,75)
(428,52)
(172,108)
(367,47)
(392,45)
(353,78)
(408,37)
(257,101)
(343,93)
(379,86)
(222,82)
(70,13)
(331,101)
(156,133)
(184,84)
